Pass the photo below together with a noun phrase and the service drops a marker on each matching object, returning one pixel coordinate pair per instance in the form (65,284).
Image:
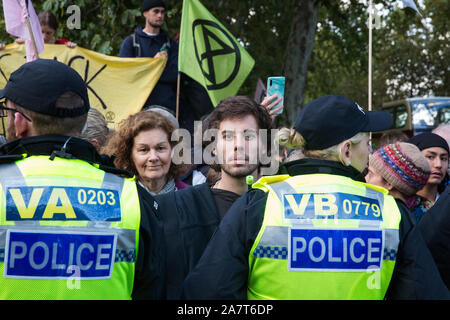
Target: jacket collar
(310,166)
(49,145)
(46,144)
(139,31)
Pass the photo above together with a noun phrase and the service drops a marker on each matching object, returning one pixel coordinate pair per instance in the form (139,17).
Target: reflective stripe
(281,188)
(125,247)
(274,243)
(110,179)
(11,171)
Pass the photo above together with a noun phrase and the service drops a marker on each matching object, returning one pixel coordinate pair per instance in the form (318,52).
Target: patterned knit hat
(403,166)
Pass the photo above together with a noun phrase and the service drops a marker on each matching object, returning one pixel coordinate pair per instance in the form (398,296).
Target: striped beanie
(403,166)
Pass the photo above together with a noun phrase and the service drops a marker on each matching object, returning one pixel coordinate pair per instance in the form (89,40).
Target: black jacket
(149,278)
(222,271)
(435,228)
(190,218)
(164,93)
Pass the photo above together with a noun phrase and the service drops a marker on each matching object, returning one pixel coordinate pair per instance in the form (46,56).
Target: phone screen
(275,85)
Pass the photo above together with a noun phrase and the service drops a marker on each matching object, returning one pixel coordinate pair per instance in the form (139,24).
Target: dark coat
(165,91)
(190,218)
(222,271)
(435,228)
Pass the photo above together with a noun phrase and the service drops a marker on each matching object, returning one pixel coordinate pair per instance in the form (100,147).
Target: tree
(319,45)
(298,53)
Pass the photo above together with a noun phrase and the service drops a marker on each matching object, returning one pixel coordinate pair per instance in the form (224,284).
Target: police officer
(318,231)
(70,228)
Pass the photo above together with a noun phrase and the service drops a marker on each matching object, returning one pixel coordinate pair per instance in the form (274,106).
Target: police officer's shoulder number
(62,203)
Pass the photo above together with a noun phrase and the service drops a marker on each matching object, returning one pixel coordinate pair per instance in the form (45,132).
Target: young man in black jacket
(191,215)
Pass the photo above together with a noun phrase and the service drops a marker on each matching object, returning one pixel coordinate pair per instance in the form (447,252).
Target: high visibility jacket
(323,237)
(68,230)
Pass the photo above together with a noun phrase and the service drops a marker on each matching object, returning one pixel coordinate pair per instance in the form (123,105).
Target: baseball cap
(148,4)
(38,84)
(331,119)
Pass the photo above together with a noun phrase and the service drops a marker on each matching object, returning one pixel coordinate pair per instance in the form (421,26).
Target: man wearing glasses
(69,227)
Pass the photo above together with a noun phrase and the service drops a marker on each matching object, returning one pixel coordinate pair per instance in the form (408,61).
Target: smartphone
(275,85)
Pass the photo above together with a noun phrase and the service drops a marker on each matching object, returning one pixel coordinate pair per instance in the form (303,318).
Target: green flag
(209,54)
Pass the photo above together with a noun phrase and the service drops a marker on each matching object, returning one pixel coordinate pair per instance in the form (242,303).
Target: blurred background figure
(96,131)
(49,27)
(392,137)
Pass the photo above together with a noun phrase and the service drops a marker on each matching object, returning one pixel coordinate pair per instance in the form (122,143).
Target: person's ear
(345,153)
(22,126)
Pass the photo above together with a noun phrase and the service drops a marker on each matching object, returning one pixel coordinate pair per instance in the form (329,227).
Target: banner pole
(32,37)
(178,96)
(30,30)
(370,56)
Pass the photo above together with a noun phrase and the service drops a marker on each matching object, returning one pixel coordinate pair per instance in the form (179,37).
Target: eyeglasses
(4,112)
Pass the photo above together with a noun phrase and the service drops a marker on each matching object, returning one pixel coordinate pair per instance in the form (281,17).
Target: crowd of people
(339,220)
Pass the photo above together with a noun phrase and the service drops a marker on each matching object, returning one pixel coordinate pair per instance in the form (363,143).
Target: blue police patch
(330,205)
(62,203)
(52,255)
(349,250)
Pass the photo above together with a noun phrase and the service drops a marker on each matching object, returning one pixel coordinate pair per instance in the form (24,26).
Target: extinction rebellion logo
(220,50)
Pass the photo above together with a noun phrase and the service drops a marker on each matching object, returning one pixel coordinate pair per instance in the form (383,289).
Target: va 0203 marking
(62,203)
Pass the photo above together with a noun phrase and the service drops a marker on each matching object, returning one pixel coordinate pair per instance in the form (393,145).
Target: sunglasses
(4,112)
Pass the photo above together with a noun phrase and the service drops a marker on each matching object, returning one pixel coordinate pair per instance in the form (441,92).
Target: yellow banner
(117,86)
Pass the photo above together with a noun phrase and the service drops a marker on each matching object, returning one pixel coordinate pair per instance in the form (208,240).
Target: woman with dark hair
(49,26)
(143,146)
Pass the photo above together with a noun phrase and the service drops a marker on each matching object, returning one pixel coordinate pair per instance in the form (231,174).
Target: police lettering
(334,205)
(348,252)
(342,250)
(41,255)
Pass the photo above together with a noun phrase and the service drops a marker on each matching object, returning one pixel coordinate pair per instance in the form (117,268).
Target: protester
(436,151)
(142,145)
(443,130)
(49,26)
(101,231)
(191,215)
(261,251)
(96,131)
(401,169)
(392,137)
(152,41)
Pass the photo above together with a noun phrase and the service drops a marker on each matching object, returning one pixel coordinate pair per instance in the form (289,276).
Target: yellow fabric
(117,86)
(270,277)
(40,171)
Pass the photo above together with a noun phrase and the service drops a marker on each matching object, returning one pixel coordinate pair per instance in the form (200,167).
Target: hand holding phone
(275,86)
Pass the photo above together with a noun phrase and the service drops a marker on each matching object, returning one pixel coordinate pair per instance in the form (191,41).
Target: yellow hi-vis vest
(323,237)
(68,230)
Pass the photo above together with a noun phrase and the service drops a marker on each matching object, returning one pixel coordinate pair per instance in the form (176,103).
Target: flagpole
(178,96)
(30,30)
(370,56)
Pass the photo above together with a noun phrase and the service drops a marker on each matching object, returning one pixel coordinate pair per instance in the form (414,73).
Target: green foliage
(409,59)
